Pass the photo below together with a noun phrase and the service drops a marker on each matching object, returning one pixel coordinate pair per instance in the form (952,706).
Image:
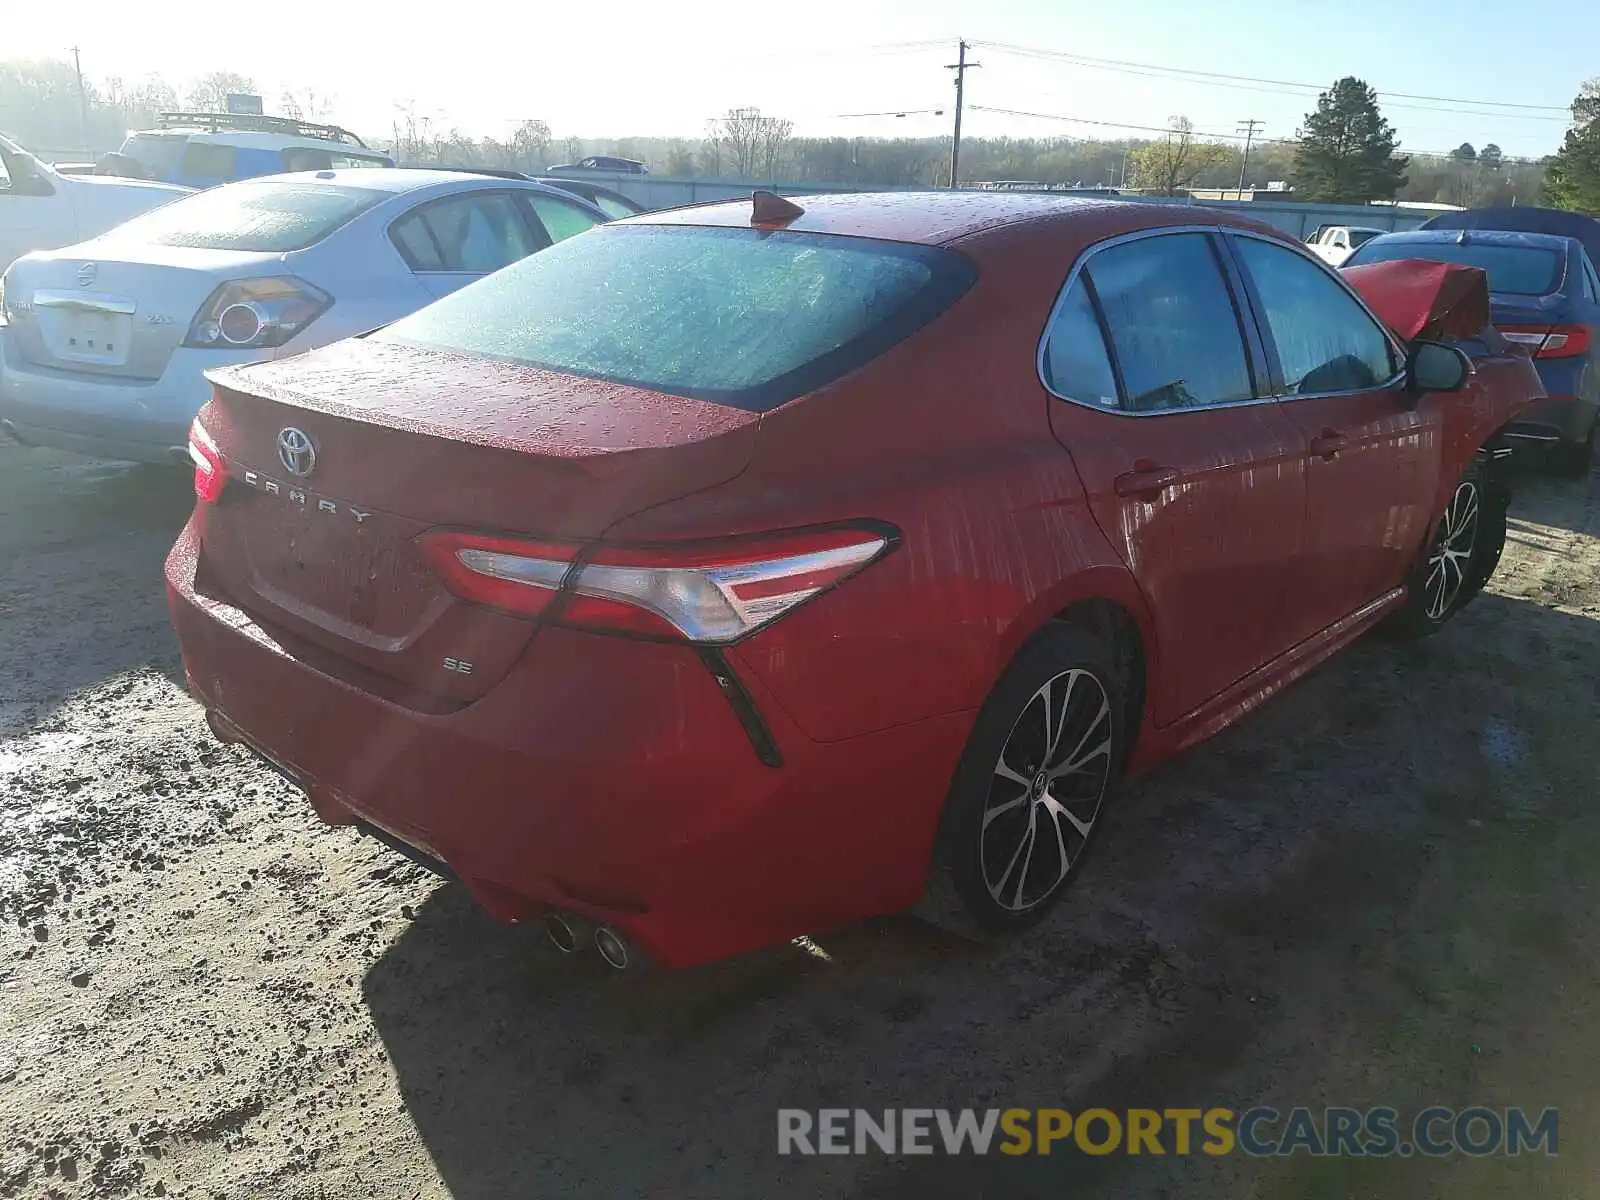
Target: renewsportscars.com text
(1260,1131)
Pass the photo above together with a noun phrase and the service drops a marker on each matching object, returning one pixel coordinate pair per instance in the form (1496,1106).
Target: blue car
(1544,293)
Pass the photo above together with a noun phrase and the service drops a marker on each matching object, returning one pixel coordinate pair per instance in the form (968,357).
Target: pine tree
(1346,152)
(1573,178)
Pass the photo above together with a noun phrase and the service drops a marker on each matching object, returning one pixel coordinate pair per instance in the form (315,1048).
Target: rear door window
(474,233)
(1172,321)
(1326,340)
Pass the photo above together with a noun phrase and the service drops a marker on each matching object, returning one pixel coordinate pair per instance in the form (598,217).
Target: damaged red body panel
(1420,299)
(761,615)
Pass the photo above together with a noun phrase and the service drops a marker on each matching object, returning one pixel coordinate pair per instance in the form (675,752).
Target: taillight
(210,473)
(1549,341)
(704,592)
(518,576)
(248,314)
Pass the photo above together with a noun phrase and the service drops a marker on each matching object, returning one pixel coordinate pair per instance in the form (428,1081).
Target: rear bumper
(1558,419)
(130,420)
(603,776)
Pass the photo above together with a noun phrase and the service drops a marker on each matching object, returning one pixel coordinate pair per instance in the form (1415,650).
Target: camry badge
(86,274)
(295,451)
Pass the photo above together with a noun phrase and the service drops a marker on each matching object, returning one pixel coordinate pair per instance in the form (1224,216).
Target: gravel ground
(1377,890)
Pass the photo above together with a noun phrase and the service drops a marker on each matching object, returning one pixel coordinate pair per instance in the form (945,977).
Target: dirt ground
(1381,889)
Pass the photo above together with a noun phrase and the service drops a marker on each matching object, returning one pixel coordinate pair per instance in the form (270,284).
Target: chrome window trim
(1249,309)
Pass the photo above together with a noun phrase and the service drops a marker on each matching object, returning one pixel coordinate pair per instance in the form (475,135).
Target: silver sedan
(104,345)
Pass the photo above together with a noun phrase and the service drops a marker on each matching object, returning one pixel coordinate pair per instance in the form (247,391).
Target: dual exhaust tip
(569,934)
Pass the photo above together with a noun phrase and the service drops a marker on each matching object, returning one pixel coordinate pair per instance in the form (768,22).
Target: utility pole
(83,103)
(961,66)
(1248,128)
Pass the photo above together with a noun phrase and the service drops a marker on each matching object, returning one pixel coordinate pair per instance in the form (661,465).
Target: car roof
(938,217)
(1483,237)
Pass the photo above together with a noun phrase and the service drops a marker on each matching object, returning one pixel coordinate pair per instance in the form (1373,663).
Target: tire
(1459,557)
(1027,799)
(1571,460)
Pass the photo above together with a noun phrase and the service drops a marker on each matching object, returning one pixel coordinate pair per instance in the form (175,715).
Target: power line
(903,112)
(1255,83)
(1167,129)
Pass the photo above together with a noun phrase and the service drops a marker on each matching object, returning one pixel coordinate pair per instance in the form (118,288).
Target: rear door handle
(1328,443)
(1145,480)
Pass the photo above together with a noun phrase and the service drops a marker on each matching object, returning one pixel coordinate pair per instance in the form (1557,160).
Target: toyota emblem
(295,451)
(86,274)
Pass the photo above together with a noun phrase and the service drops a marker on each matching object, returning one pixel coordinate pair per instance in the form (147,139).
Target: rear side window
(1075,361)
(745,317)
(560,219)
(613,208)
(470,234)
(1172,323)
(158,153)
(207,160)
(1514,270)
(262,217)
(1326,341)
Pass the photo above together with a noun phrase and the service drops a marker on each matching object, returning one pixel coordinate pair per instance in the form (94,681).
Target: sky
(644,67)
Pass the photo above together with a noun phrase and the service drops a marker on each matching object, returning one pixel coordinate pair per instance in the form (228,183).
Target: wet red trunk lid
(405,441)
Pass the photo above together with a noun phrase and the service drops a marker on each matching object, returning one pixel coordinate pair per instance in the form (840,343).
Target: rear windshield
(1513,270)
(1360,237)
(262,217)
(739,316)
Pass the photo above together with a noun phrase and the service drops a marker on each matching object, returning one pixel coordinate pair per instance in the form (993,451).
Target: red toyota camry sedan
(732,572)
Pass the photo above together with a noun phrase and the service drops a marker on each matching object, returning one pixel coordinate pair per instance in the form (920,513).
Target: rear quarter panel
(947,437)
(359,267)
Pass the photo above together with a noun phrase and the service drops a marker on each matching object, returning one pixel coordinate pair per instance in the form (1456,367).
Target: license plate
(98,337)
(91,337)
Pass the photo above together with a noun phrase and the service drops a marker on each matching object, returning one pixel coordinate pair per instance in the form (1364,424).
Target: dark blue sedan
(1544,293)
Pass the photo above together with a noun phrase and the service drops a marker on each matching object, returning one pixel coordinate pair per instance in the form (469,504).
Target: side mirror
(1436,367)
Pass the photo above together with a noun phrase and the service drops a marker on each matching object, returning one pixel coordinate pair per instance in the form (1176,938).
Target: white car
(1335,243)
(104,345)
(41,207)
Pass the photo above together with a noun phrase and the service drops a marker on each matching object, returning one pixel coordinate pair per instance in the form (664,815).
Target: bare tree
(210,93)
(530,145)
(711,150)
(753,142)
(306,104)
(775,133)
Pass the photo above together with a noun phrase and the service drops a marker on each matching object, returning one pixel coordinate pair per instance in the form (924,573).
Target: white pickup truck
(41,208)
(1333,243)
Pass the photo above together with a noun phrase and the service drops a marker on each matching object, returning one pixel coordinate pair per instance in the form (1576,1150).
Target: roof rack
(216,122)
